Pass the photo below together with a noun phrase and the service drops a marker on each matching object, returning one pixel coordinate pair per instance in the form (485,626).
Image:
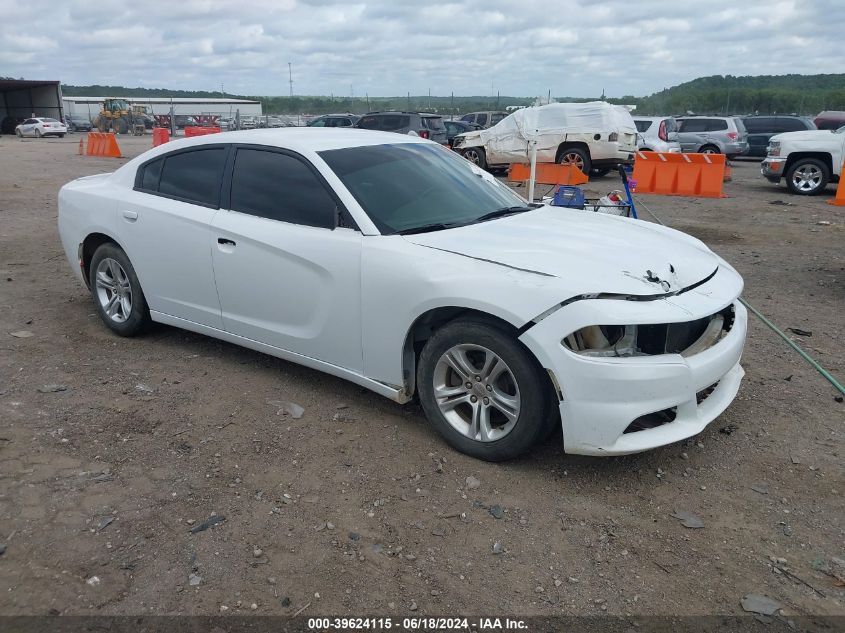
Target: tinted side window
(714,125)
(495,118)
(758,124)
(642,126)
(150,174)
(194,175)
(392,122)
(468,117)
(481,119)
(792,125)
(318,123)
(692,125)
(280,187)
(369,122)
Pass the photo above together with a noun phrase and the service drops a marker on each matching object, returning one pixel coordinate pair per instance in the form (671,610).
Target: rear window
(692,125)
(49,120)
(369,122)
(433,123)
(715,125)
(495,118)
(759,125)
(642,126)
(740,126)
(481,119)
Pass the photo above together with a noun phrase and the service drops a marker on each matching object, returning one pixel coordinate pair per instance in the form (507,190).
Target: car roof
(652,118)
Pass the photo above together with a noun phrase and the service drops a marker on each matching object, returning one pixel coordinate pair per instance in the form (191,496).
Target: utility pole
(409,101)
(368,100)
(222,94)
(290,78)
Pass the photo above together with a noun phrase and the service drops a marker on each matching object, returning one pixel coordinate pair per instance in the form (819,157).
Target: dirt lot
(346,509)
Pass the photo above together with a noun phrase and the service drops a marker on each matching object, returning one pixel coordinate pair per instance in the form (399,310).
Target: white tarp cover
(509,138)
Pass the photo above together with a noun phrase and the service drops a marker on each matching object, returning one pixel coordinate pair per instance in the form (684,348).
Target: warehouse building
(89,107)
(24,98)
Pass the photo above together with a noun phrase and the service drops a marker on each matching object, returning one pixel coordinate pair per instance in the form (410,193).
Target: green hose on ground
(813,363)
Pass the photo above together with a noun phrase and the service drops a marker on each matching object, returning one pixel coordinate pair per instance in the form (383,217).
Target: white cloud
(391,47)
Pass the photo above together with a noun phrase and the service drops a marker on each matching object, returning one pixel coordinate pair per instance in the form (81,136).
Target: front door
(286,275)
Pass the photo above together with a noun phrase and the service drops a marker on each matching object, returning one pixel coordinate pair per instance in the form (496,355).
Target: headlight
(773,149)
(458,141)
(618,341)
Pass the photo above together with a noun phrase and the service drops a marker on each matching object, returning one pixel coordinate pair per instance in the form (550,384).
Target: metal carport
(23,98)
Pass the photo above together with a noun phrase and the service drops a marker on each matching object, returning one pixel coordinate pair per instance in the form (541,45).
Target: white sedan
(41,126)
(393,263)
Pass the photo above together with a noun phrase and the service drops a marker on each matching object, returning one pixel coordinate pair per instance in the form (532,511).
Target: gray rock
(354,536)
(287,408)
(52,388)
(285,602)
(497,548)
(497,512)
(763,489)
(755,603)
(104,523)
(214,519)
(472,483)
(688,519)
(194,579)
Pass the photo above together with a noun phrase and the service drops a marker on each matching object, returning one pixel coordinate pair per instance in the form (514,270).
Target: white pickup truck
(809,160)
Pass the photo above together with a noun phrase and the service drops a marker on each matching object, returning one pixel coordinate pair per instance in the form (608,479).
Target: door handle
(130,215)
(225,242)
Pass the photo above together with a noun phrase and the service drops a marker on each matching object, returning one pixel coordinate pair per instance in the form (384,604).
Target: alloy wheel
(807,178)
(573,158)
(114,291)
(476,392)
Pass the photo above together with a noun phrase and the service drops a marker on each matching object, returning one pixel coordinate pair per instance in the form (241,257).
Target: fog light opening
(652,420)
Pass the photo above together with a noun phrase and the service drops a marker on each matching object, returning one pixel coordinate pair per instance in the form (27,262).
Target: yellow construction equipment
(118,116)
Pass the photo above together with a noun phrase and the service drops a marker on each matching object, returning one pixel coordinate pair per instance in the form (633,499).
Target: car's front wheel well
(429,322)
(794,157)
(89,246)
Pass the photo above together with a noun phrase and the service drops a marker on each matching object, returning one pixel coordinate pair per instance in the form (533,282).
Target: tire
(61,135)
(515,379)
(120,126)
(709,149)
(807,177)
(598,172)
(124,311)
(37,133)
(476,156)
(19,133)
(577,156)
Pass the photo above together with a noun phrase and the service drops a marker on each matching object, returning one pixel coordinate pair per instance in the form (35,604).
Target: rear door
(691,134)
(166,223)
(287,275)
(760,129)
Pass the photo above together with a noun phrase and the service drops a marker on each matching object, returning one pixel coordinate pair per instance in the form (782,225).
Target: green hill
(766,94)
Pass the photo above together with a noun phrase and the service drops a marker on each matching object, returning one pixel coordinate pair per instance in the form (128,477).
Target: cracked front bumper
(603,396)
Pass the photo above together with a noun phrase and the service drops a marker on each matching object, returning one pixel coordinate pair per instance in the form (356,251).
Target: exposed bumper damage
(640,372)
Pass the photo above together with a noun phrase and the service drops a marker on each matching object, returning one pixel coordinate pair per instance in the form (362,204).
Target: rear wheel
(117,292)
(37,133)
(120,126)
(476,156)
(575,156)
(709,149)
(483,391)
(807,177)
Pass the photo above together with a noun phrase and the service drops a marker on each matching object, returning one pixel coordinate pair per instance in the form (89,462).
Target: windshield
(411,185)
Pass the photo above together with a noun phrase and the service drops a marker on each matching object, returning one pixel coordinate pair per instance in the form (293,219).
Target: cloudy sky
(390,47)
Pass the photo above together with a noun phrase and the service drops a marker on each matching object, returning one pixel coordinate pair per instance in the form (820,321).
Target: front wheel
(19,133)
(117,292)
(807,177)
(476,156)
(37,133)
(576,156)
(483,391)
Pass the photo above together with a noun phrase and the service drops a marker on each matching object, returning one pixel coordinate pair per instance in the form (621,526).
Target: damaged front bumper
(622,405)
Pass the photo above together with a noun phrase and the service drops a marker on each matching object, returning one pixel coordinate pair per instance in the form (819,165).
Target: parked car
(409,271)
(453,128)
(807,160)
(657,134)
(594,136)
(830,120)
(762,128)
(41,126)
(335,120)
(248,122)
(77,123)
(421,124)
(183,120)
(485,119)
(713,135)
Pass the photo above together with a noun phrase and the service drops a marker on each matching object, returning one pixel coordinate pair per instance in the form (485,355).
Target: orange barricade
(102,144)
(160,135)
(548,174)
(200,131)
(696,175)
(839,200)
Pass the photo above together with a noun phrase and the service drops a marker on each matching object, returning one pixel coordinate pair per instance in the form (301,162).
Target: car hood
(589,252)
(807,135)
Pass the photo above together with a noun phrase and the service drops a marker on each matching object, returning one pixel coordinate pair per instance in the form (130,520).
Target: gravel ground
(112,450)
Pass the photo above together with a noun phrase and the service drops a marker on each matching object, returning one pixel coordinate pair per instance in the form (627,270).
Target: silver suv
(713,135)
(428,126)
